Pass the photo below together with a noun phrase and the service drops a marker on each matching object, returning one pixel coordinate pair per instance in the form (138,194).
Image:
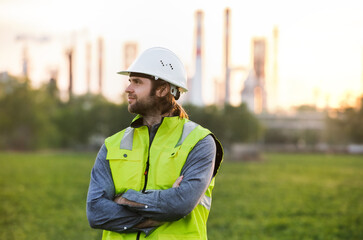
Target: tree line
(33,119)
(37,118)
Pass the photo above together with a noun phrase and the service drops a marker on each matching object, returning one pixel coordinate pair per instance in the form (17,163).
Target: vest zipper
(145,184)
(146,172)
(147,164)
(148,157)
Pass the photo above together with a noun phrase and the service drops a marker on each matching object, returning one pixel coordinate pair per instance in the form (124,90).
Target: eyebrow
(134,79)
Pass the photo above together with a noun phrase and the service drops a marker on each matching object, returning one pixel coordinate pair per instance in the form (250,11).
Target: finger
(178,181)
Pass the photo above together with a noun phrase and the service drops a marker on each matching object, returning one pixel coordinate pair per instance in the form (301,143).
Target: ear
(163,90)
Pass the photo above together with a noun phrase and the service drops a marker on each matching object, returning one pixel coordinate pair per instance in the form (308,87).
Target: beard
(144,106)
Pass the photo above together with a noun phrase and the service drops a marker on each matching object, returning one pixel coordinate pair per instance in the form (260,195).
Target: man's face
(139,98)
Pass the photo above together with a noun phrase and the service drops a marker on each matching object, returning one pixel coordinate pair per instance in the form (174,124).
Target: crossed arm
(148,222)
(128,213)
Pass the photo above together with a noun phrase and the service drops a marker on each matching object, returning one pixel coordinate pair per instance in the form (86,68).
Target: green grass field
(284,196)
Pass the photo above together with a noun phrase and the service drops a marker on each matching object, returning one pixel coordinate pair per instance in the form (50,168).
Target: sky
(320,45)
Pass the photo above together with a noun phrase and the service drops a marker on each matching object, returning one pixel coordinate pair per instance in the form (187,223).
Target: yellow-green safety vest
(128,152)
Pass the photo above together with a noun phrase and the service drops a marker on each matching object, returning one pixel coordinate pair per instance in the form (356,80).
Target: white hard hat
(160,63)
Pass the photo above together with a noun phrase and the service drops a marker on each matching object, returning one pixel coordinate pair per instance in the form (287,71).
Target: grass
(43,196)
(285,196)
(289,197)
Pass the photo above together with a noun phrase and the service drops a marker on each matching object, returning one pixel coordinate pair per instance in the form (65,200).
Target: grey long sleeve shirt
(162,205)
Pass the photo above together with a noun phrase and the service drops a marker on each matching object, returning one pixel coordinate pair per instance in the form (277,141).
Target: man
(154,179)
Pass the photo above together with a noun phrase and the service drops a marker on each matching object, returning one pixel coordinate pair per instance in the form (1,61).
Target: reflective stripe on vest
(206,202)
(187,128)
(127,139)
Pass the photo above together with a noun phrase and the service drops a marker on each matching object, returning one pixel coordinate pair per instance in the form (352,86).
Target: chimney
(100,64)
(69,54)
(226,54)
(88,67)
(196,96)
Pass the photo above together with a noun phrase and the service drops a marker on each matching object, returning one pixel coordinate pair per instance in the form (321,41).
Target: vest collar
(169,122)
(137,122)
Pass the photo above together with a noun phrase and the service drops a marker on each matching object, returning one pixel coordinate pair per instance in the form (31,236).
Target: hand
(178,181)
(122,200)
(148,223)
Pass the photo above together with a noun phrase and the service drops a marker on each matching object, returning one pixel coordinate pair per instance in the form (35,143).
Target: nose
(129,89)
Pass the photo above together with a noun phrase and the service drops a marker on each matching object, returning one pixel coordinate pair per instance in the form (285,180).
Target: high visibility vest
(129,153)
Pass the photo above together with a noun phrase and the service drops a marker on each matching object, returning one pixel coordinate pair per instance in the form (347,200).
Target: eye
(134,81)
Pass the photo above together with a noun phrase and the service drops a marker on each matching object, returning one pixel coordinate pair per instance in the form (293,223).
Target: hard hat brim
(127,73)
(124,73)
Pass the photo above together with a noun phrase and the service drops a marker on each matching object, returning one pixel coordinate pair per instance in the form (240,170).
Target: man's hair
(168,102)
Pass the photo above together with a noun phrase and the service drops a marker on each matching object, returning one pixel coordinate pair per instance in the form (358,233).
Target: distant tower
(69,54)
(130,53)
(254,92)
(196,97)
(100,64)
(226,52)
(88,67)
(273,97)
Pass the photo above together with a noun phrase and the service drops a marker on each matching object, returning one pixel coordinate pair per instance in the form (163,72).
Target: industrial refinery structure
(258,84)
(254,92)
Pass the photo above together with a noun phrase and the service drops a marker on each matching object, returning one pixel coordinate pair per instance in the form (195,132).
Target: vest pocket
(127,170)
(168,166)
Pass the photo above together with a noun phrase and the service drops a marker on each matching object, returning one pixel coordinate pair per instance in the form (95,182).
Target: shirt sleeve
(175,203)
(102,211)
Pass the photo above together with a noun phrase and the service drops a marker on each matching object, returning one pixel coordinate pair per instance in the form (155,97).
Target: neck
(151,120)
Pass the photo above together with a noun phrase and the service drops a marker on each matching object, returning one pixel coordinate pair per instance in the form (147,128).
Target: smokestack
(226,52)
(88,67)
(275,68)
(196,97)
(69,54)
(100,64)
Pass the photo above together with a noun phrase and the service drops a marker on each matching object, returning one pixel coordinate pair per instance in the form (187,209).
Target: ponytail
(178,110)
